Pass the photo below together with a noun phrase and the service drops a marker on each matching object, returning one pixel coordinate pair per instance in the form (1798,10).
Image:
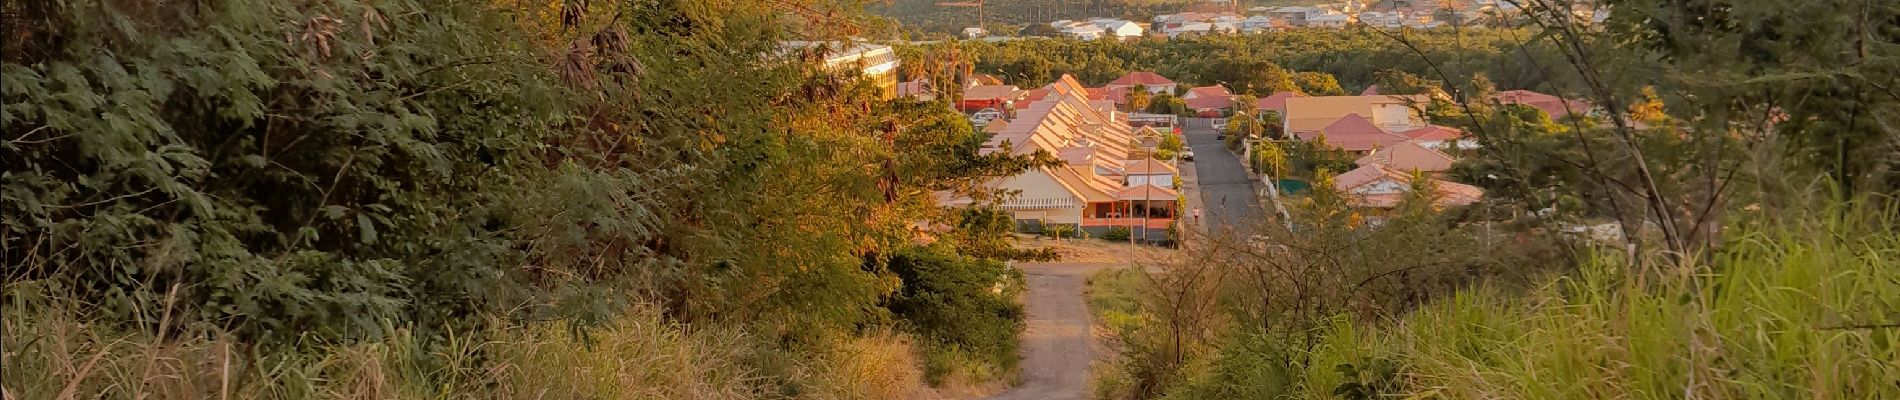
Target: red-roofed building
(1207,91)
(1276,102)
(1372,90)
(1439,137)
(1155,83)
(1409,156)
(1556,107)
(988,96)
(1356,135)
(1375,186)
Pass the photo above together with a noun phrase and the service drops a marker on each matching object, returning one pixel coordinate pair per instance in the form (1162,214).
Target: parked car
(1187,154)
(981,118)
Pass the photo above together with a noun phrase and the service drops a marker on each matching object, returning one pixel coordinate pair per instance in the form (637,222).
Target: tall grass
(51,353)
(1794,308)
(1806,310)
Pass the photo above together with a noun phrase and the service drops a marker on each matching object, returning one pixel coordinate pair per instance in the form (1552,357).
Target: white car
(1187,154)
(981,118)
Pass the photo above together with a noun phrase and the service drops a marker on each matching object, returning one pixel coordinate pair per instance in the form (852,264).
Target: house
(920,89)
(1295,15)
(1116,95)
(1275,103)
(1375,186)
(1410,156)
(1082,31)
(1189,29)
(1155,83)
(874,62)
(979,97)
(1123,30)
(1256,23)
(1439,137)
(975,32)
(1104,181)
(1556,107)
(1210,106)
(1305,115)
(1329,20)
(1205,91)
(1356,135)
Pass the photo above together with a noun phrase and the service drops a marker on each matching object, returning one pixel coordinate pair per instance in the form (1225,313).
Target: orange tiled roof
(1449,194)
(1409,156)
(1143,78)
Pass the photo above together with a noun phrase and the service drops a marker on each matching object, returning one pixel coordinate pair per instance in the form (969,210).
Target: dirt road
(1057,347)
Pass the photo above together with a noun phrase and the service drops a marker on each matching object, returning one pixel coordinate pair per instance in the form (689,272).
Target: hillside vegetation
(1723,226)
(419,199)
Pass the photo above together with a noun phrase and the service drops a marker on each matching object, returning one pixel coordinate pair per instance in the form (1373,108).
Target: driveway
(1226,198)
(1057,348)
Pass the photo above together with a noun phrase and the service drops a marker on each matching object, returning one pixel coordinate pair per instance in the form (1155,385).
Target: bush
(961,307)
(1117,234)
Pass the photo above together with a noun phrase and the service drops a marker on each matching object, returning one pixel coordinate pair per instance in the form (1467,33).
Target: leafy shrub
(1117,234)
(958,304)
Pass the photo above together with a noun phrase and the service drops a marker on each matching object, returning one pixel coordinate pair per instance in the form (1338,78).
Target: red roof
(1216,90)
(1117,94)
(1434,133)
(1409,156)
(1143,78)
(1551,105)
(1276,102)
(1210,102)
(1370,91)
(1356,133)
(1448,193)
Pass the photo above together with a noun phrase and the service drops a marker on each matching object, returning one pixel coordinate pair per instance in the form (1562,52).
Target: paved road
(1057,348)
(1227,199)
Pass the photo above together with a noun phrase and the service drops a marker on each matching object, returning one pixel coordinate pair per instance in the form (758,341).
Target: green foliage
(1117,234)
(1139,98)
(1350,57)
(1318,84)
(1168,104)
(959,303)
(1398,82)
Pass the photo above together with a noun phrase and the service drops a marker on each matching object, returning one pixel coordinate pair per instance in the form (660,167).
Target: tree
(1264,79)
(1318,84)
(1397,82)
(1168,104)
(1138,98)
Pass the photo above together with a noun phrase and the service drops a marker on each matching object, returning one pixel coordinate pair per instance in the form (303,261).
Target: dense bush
(1117,234)
(966,305)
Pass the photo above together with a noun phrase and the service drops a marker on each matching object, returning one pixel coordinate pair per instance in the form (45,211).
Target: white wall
(1162,180)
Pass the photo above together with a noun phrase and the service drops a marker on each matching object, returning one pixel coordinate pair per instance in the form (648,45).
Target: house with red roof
(1155,83)
(1275,103)
(1105,180)
(1375,186)
(1207,91)
(1556,107)
(1409,156)
(1355,134)
(1440,137)
(979,97)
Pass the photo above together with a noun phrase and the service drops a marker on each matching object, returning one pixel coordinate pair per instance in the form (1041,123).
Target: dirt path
(1057,346)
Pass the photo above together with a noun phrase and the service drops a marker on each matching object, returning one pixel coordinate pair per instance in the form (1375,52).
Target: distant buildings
(876,62)
(1097,28)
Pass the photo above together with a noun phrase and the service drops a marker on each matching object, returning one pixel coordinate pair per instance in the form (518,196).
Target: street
(1226,198)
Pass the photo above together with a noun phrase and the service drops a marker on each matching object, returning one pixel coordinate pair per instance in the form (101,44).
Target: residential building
(1206,91)
(975,32)
(1155,83)
(1356,135)
(1122,30)
(1410,156)
(1275,103)
(1440,138)
(1375,186)
(875,62)
(979,97)
(1305,115)
(1556,107)
(1105,181)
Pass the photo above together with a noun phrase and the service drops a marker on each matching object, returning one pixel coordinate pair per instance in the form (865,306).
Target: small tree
(1167,104)
(1138,98)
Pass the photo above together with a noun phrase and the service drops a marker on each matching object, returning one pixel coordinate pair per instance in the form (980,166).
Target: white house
(975,32)
(1123,29)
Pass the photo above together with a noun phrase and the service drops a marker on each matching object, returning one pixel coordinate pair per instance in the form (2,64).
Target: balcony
(1151,223)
